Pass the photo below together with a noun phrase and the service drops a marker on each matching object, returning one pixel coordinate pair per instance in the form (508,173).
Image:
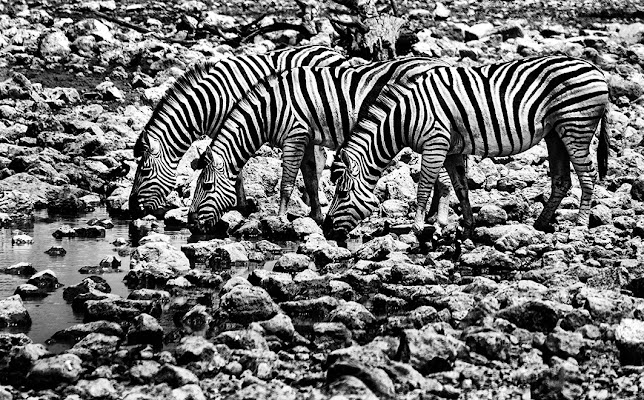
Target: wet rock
(279,285)
(194,348)
(227,256)
(87,284)
(200,251)
(292,263)
(353,315)
(64,231)
(145,330)
(51,372)
(77,332)
(246,304)
(56,251)
(104,222)
(629,335)
(45,280)
(305,226)
(149,294)
(90,231)
(20,240)
(22,268)
(100,388)
(368,364)
(197,319)
(600,215)
(575,319)
(27,291)
(428,351)
(329,336)
(484,258)
(110,262)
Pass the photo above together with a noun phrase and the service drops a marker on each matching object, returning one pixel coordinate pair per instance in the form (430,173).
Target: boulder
(246,304)
(22,268)
(145,330)
(428,351)
(20,240)
(228,256)
(27,291)
(305,226)
(87,284)
(77,332)
(292,263)
(55,251)
(159,255)
(51,372)
(45,280)
(55,44)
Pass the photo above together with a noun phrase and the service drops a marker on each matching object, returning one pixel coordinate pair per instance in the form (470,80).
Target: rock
(145,330)
(394,208)
(441,12)
(56,251)
(119,310)
(189,392)
(278,228)
(493,345)
(329,336)
(490,215)
(22,268)
(55,44)
(77,332)
(246,304)
(292,263)
(110,262)
(331,254)
(51,372)
(175,376)
(376,249)
(159,255)
(305,226)
(281,326)
(535,316)
(564,343)
(478,31)
(64,231)
(101,388)
(200,251)
(509,237)
(194,348)
(20,240)
(228,256)
(629,335)
(27,291)
(637,189)
(90,232)
(314,309)
(144,371)
(96,345)
(245,339)
(353,315)
(197,319)
(85,286)
(45,280)
(367,363)
(600,215)
(428,351)
(485,258)
(177,217)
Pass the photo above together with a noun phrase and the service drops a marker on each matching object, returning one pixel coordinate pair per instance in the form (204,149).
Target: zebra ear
(138,147)
(205,158)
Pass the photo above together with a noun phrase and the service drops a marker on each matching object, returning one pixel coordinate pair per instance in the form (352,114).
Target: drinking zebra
(195,106)
(494,110)
(300,107)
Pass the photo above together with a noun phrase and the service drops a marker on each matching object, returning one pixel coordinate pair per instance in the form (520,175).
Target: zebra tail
(602,149)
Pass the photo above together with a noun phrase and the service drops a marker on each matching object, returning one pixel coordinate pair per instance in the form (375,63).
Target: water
(52,313)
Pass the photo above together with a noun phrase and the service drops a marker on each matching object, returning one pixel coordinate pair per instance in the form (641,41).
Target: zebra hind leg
(433,157)
(560,181)
(580,158)
(312,167)
(455,166)
(293,152)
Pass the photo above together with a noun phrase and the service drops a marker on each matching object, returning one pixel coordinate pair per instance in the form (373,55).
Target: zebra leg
(578,150)
(455,166)
(293,152)
(312,167)
(561,183)
(432,160)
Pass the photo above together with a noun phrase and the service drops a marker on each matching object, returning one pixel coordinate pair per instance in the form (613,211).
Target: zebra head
(214,193)
(153,180)
(353,200)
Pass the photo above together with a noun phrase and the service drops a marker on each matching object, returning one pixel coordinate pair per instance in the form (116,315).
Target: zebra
(494,110)
(195,106)
(302,106)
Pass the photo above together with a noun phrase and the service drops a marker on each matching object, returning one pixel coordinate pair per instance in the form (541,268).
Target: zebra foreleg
(561,183)
(433,156)
(293,152)
(455,166)
(312,167)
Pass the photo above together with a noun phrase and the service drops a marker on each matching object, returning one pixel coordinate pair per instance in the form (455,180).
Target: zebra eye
(345,184)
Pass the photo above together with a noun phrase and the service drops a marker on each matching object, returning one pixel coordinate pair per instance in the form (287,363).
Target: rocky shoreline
(512,313)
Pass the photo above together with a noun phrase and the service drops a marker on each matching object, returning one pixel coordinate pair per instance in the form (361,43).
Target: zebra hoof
(248,208)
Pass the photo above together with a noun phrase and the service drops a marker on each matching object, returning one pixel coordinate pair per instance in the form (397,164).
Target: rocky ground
(515,313)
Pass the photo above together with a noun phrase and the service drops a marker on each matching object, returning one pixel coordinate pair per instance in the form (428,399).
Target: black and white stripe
(292,110)
(494,110)
(195,106)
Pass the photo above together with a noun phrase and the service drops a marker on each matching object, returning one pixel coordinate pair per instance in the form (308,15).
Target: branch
(278,26)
